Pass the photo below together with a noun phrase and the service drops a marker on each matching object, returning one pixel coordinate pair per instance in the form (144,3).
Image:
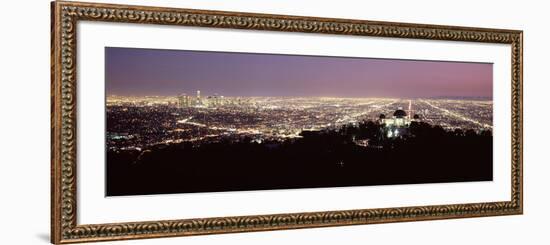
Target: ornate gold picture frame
(66,15)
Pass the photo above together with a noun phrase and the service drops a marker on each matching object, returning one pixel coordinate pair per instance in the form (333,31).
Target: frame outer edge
(290,17)
(55,232)
(64,227)
(520,136)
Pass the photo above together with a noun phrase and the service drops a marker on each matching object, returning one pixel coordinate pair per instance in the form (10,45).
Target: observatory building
(398,124)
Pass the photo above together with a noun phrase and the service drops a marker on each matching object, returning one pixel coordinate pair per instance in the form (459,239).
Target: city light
(140,122)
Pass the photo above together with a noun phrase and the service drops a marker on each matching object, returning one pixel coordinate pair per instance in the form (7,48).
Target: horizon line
(321,96)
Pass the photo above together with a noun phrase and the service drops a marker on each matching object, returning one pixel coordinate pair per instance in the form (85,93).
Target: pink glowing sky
(140,72)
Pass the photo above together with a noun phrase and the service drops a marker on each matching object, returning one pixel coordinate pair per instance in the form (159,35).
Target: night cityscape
(195,121)
(142,122)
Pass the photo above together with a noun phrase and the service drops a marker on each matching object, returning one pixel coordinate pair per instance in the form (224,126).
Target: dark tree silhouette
(327,158)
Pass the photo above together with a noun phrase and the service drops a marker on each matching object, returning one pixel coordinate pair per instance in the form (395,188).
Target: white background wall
(25,119)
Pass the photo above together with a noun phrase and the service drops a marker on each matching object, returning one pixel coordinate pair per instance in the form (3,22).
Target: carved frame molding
(66,15)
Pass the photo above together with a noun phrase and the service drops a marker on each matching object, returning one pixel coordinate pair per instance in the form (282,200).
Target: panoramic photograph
(182,121)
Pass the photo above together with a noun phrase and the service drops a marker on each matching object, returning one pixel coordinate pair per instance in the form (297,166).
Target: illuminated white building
(185,101)
(398,124)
